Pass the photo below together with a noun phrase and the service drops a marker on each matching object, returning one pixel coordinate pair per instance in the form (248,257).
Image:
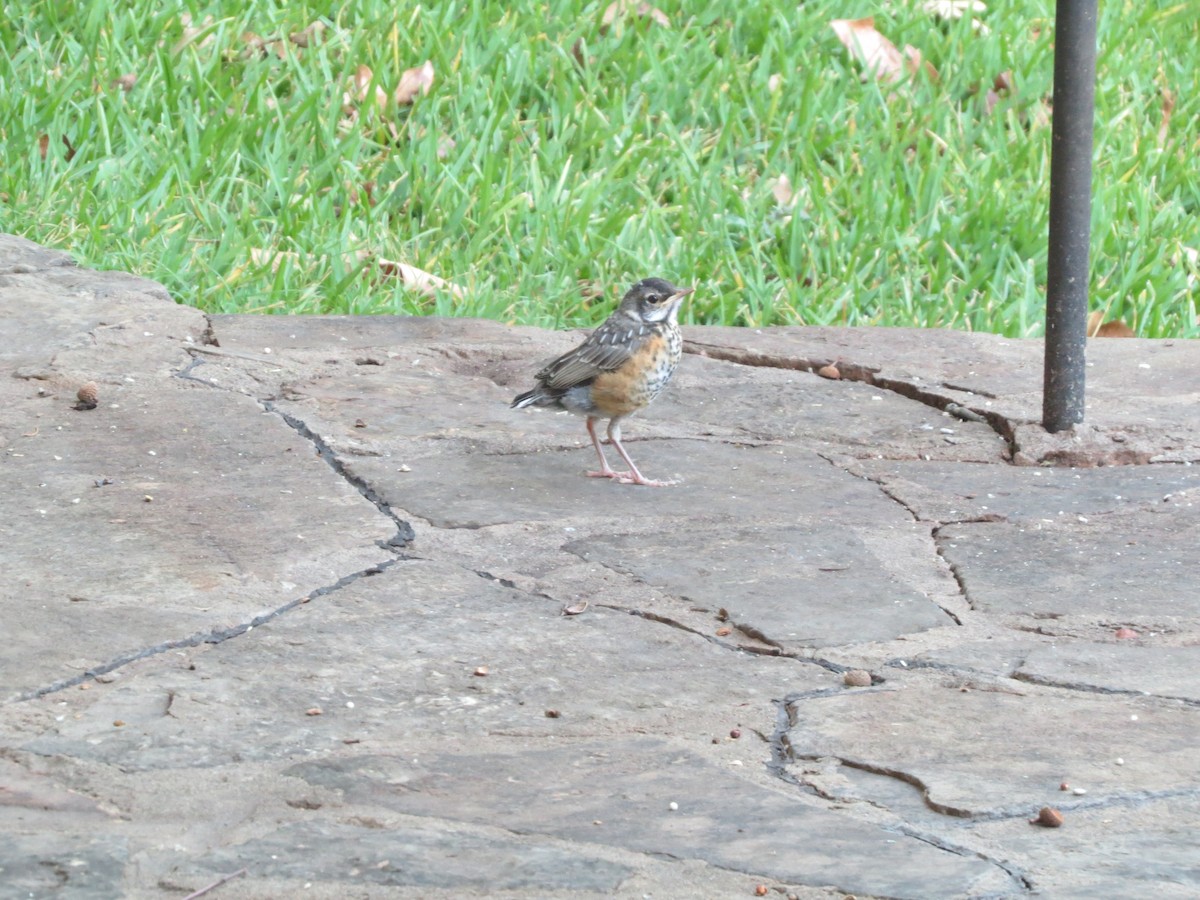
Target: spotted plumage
(621,367)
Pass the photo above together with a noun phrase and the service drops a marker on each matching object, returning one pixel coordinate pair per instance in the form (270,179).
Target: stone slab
(394,656)
(1002,752)
(1053,568)
(597,793)
(951,492)
(252,519)
(808,585)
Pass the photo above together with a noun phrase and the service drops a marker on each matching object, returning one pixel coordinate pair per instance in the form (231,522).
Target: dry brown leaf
(623,9)
(191,33)
(126,82)
(414,81)
(1168,107)
(417,279)
(1097,327)
(359,89)
(1002,86)
(877,54)
(43,145)
(952,9)
(782,189)
(309,36)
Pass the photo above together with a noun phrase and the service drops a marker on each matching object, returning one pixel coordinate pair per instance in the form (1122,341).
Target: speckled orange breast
(642,378)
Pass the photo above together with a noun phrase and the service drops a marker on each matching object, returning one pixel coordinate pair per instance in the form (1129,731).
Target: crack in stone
(933,533)
(1043,681)
(1016,873)
(953,568)
(404,532)
(214,636)
(1000,424)
(782,754)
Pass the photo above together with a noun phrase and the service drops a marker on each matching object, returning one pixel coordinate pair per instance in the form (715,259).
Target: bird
(620,368)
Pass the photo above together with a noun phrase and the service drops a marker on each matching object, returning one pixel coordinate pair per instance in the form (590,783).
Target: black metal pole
(1070,212)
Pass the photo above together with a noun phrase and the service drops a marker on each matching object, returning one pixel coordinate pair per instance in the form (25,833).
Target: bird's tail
(536,397)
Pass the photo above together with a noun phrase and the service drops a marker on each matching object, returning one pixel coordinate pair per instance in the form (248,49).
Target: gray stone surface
(302,599)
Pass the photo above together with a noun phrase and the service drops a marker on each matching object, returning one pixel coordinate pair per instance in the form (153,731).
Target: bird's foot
(637,478)
(620,477)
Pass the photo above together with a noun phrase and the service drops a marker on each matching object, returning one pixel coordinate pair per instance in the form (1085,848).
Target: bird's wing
(606,349)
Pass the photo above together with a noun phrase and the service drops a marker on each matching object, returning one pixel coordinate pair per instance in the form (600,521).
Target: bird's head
(654,300)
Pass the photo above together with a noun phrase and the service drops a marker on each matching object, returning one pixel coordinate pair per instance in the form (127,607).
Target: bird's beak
(682,292)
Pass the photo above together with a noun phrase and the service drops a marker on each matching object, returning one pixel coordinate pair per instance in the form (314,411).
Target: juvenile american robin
(619,369)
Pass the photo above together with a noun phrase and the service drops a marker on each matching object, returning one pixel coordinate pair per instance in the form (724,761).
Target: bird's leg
(605,471)
(633,476)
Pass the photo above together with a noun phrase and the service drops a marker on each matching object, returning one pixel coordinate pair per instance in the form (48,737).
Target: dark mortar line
(404,532)
(215,636)
(782,754)
(950,386)
(953,568)
(854,372)
(1016,674)
(1015,872)
(1043,681)
(1024,811)
(933,533)
(897,774)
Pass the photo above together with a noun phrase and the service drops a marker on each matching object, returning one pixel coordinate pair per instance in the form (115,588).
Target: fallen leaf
(70,154)
(309,36)
(1097,327)
(191,33)
(414,81)
(359,89)
(1002,86)
(879,55)
(576,609)
(782,189)
(418,279)
(1168,107)
(126,82)
(952,9)
(43,145)
(623,9)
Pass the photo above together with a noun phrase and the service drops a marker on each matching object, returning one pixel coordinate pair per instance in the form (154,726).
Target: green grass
(565,183)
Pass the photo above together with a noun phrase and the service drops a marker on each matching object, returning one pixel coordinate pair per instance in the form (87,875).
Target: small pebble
(1047,817)
(552,714)
(118,723)
(857,678)
(735,733)
(1079,792)
(481,671)
(672,806)
(1120,761)
(1064,787)
(313,711)
(760,891)
(830,371)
